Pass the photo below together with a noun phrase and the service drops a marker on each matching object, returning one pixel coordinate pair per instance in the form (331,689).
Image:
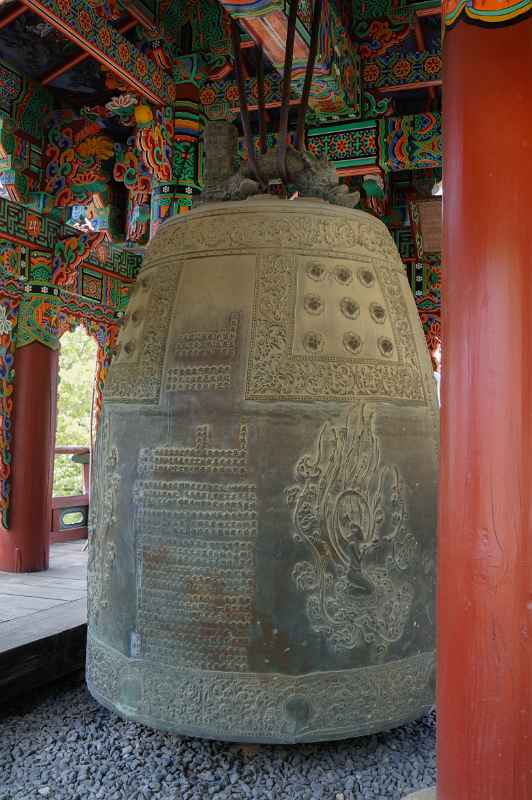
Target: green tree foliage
(77,365)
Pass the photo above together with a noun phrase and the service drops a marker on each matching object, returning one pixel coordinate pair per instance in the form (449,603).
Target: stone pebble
(61,745)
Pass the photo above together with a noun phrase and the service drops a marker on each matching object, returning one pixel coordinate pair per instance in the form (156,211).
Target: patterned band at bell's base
(488,11)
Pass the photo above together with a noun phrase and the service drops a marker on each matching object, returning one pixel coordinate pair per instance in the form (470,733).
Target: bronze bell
(262,559)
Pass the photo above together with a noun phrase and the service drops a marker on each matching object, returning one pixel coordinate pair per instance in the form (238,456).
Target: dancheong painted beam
(395,71)
(78,22)
(350,144)
(83,56)
(336,87)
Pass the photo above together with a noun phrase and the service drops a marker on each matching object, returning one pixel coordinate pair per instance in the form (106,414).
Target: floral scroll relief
(102,552)
(349,509)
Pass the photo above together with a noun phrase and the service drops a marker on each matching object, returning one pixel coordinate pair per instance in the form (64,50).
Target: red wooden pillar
(25,546)
(485,522)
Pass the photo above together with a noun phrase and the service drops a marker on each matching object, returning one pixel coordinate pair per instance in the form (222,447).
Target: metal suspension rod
(262,107)
(287,73)
(313,49)
(244,111)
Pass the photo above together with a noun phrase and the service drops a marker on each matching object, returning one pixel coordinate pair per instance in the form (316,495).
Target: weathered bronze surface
(263,535)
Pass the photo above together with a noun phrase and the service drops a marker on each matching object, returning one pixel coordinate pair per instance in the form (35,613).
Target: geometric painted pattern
(347,144)
(396,69)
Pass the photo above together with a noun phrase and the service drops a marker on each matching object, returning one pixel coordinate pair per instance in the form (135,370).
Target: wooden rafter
(403,87)
(83,56)
(113,50)
(12,15)
(138,15)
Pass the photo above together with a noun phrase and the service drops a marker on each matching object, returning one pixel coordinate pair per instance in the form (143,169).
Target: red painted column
(25,546)
(485,519)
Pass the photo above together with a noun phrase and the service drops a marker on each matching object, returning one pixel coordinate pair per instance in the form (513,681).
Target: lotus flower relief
(123,106)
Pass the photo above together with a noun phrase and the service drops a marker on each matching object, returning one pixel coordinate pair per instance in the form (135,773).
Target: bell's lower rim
(290,709)
(156,724)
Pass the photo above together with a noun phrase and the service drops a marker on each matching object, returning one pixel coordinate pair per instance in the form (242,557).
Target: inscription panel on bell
(196,540)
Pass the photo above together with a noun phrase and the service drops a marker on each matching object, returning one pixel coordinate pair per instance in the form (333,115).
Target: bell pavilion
(421,112)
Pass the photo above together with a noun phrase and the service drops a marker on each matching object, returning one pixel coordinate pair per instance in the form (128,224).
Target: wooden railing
(70,514)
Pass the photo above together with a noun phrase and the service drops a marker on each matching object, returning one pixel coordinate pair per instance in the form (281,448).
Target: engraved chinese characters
(262,562)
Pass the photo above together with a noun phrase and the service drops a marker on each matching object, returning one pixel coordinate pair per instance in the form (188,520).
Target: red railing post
(59,531)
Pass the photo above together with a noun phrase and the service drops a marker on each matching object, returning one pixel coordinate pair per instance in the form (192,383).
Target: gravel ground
(60,744)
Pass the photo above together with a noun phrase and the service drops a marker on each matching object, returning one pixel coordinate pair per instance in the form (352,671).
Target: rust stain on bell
(263,533)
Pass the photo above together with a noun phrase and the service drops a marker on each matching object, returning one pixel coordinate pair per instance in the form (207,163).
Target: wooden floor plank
(20,603)
(41,624)
(43,621)
(54,592)
(47,602)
